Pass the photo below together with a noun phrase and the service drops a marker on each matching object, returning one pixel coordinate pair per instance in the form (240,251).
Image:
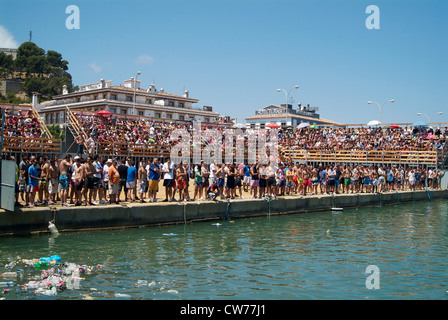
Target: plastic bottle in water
(47,292)
(9,275)
(6,284)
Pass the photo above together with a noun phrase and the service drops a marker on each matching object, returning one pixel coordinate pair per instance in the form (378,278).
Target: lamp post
(135,88)
(381,107)
(287,98)
(429,117)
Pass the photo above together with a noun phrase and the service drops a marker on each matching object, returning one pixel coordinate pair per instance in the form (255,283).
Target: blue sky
(233,55)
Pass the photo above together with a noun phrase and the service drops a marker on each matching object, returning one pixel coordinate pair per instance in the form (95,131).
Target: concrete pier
(28,221)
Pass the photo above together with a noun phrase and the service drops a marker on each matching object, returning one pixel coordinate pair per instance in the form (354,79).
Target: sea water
(322,255)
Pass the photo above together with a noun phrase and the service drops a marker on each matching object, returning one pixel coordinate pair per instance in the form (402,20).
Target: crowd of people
(91,179)
(21,123)
(157,135)
(107,130)
(97,181)
(364,138)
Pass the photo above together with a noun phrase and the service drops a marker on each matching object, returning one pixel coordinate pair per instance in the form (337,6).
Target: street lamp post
(428,117)
(381,107)
(135,88)
(287,98)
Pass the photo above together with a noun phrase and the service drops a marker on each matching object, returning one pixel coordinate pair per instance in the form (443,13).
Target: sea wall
(27,221)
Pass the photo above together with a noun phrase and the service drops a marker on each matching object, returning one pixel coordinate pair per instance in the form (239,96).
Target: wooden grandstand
(46,144)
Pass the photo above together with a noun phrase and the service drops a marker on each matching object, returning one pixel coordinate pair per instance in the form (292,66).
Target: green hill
(38,70)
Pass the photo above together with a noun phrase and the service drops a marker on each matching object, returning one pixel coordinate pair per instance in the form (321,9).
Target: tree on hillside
(30,58)
(6,65)
(46,72)
(55,60)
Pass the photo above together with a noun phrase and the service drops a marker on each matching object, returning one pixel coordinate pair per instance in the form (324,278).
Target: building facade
(285,115)
(126,100)
(12,52)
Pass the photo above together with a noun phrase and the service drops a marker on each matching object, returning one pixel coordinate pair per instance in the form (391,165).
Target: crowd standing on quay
(97,181)
(88,179)
(107,130)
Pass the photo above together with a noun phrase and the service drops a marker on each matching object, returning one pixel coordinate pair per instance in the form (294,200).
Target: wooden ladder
(42,124)
(74,125)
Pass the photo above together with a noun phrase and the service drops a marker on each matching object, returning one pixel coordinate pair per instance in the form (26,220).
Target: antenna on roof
(31,35)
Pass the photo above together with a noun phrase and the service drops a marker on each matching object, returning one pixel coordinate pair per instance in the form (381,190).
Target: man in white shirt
(105,178)
(212,177)
(168,179)
(91,145)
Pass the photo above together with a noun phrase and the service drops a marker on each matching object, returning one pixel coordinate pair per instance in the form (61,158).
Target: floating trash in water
(121,295)
(52,228)
(8,275)
(141,283)
(7,284)
(173,291)
(47,292)
(169,234)
(53,275)
(216,224)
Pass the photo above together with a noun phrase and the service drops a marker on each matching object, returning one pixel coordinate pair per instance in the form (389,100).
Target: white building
(287,116)
(128,99)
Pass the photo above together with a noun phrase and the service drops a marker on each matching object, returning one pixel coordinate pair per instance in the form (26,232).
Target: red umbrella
(395,126)
(272,125)
(104,113)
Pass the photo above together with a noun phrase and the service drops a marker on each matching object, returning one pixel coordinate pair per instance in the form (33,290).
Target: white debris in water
(173,291)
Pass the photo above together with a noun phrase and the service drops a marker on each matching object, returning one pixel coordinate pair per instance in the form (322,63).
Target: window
(206,119)
(123,111)
(169,116)
(181,104)
(148,101)
(113,110)
(170,103)
(129,99)
(113,97)
(181,118)
(140,113)
(157,115)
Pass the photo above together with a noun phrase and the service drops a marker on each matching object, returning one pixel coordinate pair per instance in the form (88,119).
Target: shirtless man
(346,179)
(80,142)
(181,179)
(64,179)
(53,174)
(295,178)
(89,170)
(300,179)
(78,181)
(374,178)
(142,177)
(306,176)
(44,178)
(355,180)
